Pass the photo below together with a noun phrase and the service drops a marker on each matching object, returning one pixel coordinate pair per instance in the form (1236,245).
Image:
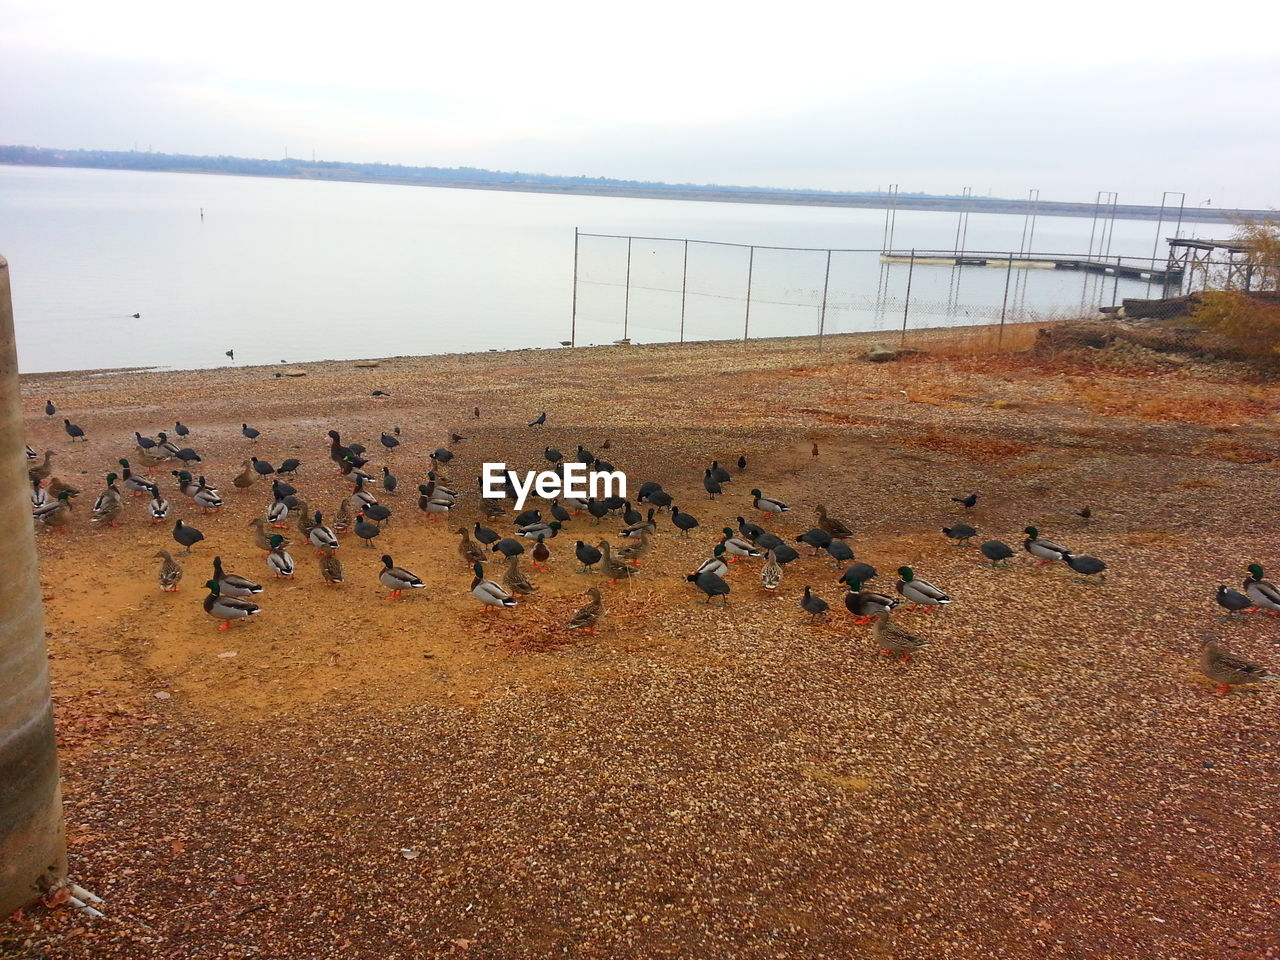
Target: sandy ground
(343,776)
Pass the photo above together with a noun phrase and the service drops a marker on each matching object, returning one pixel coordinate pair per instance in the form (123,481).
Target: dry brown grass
(980,449)
(986,340)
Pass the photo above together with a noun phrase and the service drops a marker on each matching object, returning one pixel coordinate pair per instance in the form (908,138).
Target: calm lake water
(297,271)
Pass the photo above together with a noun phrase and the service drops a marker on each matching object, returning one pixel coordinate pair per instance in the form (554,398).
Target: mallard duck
(1046,550)
(342,516)
(31,454)
(56,514)
(771,572)
(1228,669)
(711,584)
(540,554)
(231,584)
(636,549)
(246,478)
(1264,594)
(735,546)
(613,568)
(488,592)
(767,505)
(539,530)
(278,560)
(321,537)
(331,568)
(836,528)
(514,580)
(305,520)
(43,469)
(278,514)
(186,535)
(186,485)
(111,496)
(895,640)
(921,593)
(227,608)
(108,512)
(159,506)
(865,604)
(468,549)
(136,485)
(360,497)
(170,572)
(586,617)
(587,555)
(813,605)
(57,486)
(715,563)
(648,525)
(397,579)
(433,506)
(207,497)
(39,496)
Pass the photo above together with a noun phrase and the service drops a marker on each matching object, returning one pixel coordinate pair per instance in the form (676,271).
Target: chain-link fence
(656,289)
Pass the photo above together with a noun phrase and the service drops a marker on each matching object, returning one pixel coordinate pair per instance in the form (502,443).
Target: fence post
(573,315)
(1115,287)
(626,303)
(1008,275)
(822,313)
(684,286)
(746,320)
(906,303)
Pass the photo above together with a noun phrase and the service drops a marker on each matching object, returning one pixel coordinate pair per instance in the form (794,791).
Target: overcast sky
(1072,99)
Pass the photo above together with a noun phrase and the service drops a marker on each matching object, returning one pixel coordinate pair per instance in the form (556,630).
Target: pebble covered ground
(342,776)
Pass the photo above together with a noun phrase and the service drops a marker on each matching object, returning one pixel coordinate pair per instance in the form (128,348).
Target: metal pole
(1008,275)
(626,304)
(822,313)
(746,320)
(684,284)
(1115,288)
(906,303)
(32,848)
(573,316)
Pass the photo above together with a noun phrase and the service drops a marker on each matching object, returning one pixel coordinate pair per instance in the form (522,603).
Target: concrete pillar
(32,849)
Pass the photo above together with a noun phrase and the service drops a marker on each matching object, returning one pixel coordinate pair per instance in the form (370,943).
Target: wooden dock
(1126,268)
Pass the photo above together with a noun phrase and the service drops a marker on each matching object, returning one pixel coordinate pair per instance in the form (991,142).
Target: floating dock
(1128,269)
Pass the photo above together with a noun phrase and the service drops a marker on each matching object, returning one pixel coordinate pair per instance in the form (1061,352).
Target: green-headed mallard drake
(736,546)
(261,538)
(57,513)
(331,568)
(1228,669)
(433,506)
(41,471)
(278,560)
(397,579)
(1046,551)
(865,604)
(170,572)
(1264,594)
(187,485)
(206,497)
(636,549)
(715,563)
(232,585)
(515,580)
(489,593)
(136,485)
(159,506)
(836,528)
(921,593)
(110,495)
(771,572)
(586,617)
(895,640)
(767,505)
(227,608)
(468,549)
(613,568)
(539,529)
(322,537)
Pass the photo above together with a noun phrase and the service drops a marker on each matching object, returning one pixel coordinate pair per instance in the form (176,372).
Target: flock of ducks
(360,513)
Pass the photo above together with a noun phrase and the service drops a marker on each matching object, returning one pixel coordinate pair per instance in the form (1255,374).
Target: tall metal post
(626,303)
(906,302)
(1115,287)
(746,320)
(573,315)
(1008,275)
(822,312)
(684,286)
(32,846)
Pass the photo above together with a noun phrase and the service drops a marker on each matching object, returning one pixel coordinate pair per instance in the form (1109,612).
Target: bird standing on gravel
(996,551)
(73,431)
(1228,669)
(365,530)
(187,536)
(837,528)
(961,533)
(1264,594)
(397,579)
(227,609)
(1087,567)
(170,572)
(895,640)
(710,584)
(585,618)
(966,502)
(489,593)
(541,419)
(1233,601)
(767,505)
(865,604)
(1046,551)
(813,605)
(49,408)
(921,593)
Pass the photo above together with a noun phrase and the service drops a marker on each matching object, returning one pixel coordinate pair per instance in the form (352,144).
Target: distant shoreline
(475,179)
